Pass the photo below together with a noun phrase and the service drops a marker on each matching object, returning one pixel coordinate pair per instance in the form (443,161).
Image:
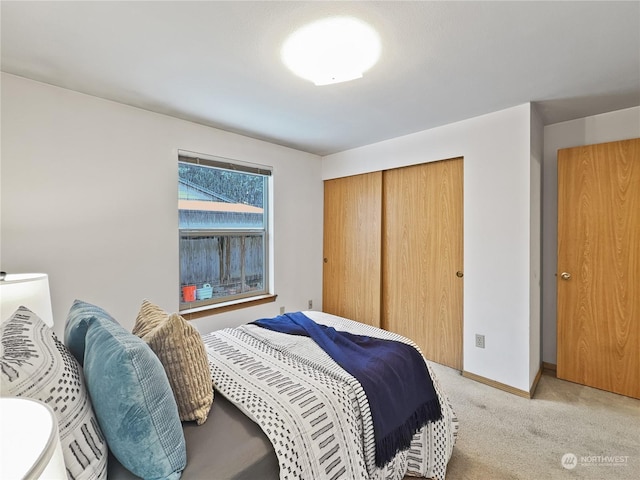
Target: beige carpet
(503,436)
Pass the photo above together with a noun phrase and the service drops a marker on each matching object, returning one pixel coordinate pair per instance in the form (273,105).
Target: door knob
(459,274)
(565,275)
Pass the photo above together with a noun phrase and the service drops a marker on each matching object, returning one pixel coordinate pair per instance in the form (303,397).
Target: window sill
(200,312)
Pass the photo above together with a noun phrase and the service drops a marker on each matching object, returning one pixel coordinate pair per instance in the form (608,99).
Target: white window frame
(242,298)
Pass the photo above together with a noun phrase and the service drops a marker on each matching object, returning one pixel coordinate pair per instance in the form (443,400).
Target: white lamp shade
(26,289)
(29,441)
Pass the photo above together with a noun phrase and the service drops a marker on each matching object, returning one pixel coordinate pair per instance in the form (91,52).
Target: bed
(284,409)
(228,446)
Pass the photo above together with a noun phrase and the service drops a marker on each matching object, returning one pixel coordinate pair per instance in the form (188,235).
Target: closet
(352,245)
(598,277)
(393,253)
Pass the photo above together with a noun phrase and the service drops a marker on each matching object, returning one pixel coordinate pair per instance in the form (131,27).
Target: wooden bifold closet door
(393,254)
(352,232)
(422,260)
(598,285)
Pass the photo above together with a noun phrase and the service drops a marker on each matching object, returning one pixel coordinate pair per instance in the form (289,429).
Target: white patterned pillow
(36,365)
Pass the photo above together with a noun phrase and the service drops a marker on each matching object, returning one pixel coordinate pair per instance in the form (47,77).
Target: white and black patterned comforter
(316,414)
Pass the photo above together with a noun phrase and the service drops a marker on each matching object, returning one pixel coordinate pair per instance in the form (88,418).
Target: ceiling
(217,63)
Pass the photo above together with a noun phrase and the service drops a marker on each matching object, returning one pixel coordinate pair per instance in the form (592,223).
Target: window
(223,226)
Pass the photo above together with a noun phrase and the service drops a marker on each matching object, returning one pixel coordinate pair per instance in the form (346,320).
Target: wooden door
(598,286)
(422,257)
(352,233)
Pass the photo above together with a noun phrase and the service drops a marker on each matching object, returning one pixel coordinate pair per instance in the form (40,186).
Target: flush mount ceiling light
(332,50)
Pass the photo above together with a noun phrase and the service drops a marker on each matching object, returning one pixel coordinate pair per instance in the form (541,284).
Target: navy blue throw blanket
(394,377)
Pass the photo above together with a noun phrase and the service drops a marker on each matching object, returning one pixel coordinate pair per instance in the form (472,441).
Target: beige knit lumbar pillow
(181,350)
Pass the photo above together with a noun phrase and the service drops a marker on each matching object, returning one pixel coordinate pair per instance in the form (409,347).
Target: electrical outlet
(479,341)
(310,304)
(281,310)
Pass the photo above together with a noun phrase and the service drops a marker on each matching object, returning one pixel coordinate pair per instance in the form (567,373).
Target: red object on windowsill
(189,293)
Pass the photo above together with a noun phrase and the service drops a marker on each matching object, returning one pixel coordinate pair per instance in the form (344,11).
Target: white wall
(89,196)
(535,250)
(607,127)
(497,229)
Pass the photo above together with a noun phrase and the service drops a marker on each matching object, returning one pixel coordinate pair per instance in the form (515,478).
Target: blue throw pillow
(75,330)
(132,398)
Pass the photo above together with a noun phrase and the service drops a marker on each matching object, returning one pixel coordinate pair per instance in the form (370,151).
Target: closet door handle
(459,274)
(565,275)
